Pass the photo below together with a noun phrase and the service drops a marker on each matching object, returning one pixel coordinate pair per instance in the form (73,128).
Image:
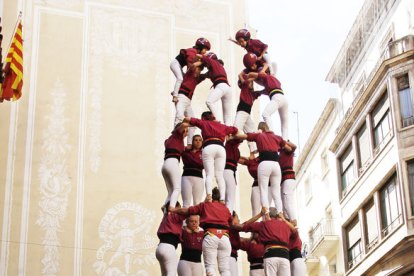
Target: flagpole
(14,31)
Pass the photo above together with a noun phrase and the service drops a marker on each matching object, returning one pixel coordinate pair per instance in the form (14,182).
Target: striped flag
(13,71)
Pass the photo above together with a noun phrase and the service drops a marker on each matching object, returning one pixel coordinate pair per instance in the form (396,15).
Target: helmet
(203,43)
(249,60)
(211,55)
(208,116)
(243,33)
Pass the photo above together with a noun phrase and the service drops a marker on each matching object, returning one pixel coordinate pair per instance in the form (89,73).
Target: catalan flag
(13,71)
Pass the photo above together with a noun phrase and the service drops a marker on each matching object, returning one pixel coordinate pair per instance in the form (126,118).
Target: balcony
(324,239)
(312,264)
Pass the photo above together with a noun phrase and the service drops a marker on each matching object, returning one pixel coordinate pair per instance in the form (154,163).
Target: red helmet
(203,43)
(243,33)
(211,55)
(249,60)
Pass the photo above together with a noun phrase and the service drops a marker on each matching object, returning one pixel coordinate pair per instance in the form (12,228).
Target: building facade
(373,141)
(80,162)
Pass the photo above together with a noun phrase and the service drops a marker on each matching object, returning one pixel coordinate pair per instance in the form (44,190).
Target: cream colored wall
(82,150)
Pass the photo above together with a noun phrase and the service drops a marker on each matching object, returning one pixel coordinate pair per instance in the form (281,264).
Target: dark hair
(208,116)
(216,194)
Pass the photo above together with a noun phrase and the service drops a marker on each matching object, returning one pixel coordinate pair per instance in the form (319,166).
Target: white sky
(304,38)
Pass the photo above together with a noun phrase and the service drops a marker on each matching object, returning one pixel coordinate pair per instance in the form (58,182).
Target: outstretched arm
(234,41)
(253,219)
(180,211)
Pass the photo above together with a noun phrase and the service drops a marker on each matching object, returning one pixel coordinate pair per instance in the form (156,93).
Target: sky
(304,38)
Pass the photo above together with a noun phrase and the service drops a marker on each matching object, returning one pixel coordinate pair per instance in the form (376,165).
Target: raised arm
(289,146)
(253,219)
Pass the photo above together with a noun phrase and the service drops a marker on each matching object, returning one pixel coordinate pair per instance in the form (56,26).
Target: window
(353,234)
(381,120)
(364,152)
(410,166)
(347,169)
(390,214)
(371,235)
(406,102)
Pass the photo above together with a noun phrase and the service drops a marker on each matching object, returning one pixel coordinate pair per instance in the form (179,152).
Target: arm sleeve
(196,210)
(231,130)
(251,227)
(196,122)
(251,137)
(206,61)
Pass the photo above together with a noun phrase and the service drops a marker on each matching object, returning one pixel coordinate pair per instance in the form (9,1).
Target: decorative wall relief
(55,184)
(129,244)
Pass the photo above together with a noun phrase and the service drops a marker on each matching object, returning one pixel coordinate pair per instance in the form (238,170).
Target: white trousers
(255,200)
(231,186)
(279,103)
(171,172)
(178,73)
(298,267)
(270,171)
(221,92)
(243,121)
(167,258)
(186,268)
(234,269)
(214,161)
(218,251)
(257,272)
(192,189)
(272,64)
(276,266)
(289,198)
(183,109)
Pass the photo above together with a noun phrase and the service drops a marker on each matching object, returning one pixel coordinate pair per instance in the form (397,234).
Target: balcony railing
(323,230)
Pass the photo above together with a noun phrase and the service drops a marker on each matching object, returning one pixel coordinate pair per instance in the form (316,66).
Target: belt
(212,141)
(217,232)
(275,91)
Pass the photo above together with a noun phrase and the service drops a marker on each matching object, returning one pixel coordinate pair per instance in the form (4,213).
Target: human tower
(274,247)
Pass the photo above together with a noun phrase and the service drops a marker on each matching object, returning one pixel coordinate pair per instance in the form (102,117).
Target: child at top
(257,47)
(186,57)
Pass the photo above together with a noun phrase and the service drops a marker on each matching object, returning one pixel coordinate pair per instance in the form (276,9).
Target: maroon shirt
(266,141)
(271,231)
(232,154)
(269,82)
(174,145)
(255,46)
(187,56)
(254,250)
(295,242)
(213,129)
(193,164)
(171,223)
(192,240)
(211,213)
(190,81)
(286,165)
(247,97)
(252,165)
(235,242)
(217,73)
